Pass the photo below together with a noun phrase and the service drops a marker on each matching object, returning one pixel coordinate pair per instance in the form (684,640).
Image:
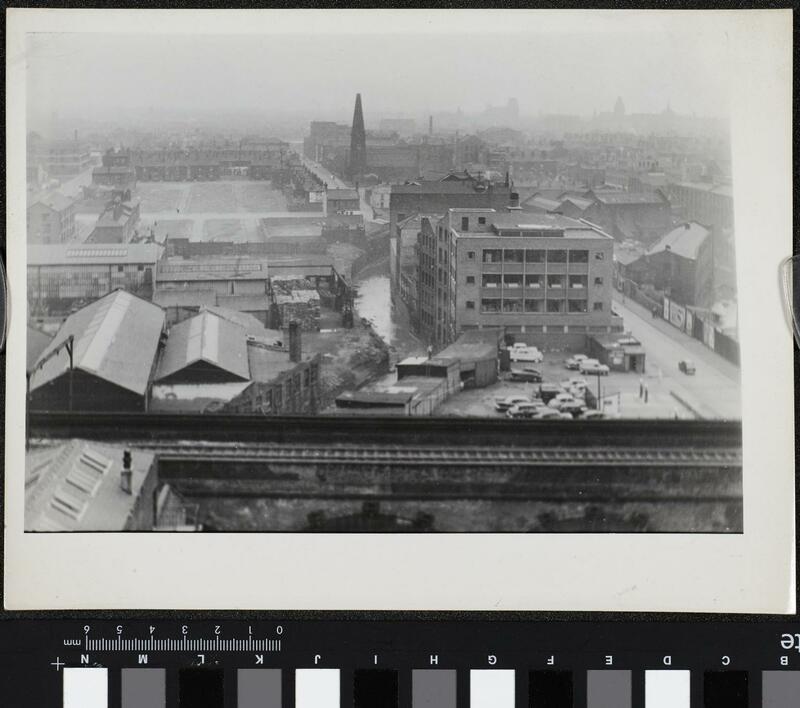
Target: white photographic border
(749,572)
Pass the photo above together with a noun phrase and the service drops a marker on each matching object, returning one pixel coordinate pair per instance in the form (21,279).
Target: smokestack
(126,473)
(295,344)
(430,125)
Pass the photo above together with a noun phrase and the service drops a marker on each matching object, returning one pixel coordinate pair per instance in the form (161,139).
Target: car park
(527,374)
(503,404)
(548,391)
(593,367)
(522,352)
(574,382)
(525,410)
(551,414)
(558,398)
(574,408)
(687,367)
(574,362)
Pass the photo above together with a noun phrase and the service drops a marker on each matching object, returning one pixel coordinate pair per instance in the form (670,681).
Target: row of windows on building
(531,306)
(270,398)
(533,280)
(529,255)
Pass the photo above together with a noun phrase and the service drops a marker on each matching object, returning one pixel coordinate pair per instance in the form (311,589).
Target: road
(714,391)
(324,174)
(335,182)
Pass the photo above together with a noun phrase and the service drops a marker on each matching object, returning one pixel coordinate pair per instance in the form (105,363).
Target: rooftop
(269,362)
(101,254)
(54,200)
(184,298)
(219,268)
(115,338)
(36,344)
(540,202)
(249,323)
(621,198)
(725,190)
(684,240)
(445,187)
(512,222)
(76,487)
(207,338)
(349,194)
(465,351)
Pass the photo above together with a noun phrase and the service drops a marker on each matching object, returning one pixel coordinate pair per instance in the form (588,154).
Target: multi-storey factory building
(545,278)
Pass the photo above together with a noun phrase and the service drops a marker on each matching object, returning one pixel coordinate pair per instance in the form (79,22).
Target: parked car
(560,398)
(574,362)
(547,391)
(574,408)
(574,382)
(525,410)
(527,374)
(593,367)
(551,414)
(592,415)
(522,352)
(503,404)
(687,366)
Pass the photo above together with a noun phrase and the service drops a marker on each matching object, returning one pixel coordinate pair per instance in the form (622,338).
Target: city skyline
(122,77)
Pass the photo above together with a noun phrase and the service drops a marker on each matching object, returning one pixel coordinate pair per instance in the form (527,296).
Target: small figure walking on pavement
(641,387)
(646,394)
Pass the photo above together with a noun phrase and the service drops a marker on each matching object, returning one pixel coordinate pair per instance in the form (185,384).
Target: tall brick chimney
(295,343)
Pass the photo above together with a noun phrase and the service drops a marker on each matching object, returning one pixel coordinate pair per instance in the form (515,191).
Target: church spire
(358,142)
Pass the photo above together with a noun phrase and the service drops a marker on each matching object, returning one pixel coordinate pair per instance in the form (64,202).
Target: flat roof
(562,226)
(470,351)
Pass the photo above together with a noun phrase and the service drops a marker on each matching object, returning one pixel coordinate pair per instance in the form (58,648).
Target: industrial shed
(102,358)
(204,349)
(476,350)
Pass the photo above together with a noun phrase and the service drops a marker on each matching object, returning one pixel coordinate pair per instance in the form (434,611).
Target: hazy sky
(111,76)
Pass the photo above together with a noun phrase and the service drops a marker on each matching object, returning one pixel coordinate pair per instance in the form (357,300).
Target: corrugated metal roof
(78,488)
(181,297)
(65,254)
(115,338)
(207,338)
(249,323)
(685,240)
(238,268)
(619,198)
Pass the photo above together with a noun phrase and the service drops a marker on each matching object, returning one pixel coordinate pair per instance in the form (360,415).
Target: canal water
(374,303)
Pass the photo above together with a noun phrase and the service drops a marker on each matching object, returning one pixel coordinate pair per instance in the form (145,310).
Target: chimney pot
(295,343)
(126,473)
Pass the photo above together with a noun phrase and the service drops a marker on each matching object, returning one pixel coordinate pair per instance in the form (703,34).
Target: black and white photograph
(337,280)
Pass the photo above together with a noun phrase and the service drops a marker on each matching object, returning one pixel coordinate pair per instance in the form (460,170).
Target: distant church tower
(619,107)
(358,142)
